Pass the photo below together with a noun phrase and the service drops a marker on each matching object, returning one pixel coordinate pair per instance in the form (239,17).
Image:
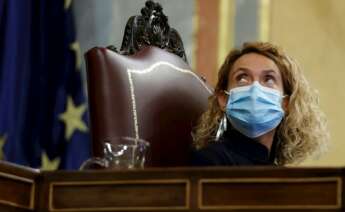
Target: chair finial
(151,28)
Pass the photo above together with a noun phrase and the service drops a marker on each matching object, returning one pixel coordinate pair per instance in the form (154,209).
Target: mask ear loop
(222,127)
(223,124)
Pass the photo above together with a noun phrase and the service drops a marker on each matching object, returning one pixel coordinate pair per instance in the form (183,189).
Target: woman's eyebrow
(240,69)
(270,71)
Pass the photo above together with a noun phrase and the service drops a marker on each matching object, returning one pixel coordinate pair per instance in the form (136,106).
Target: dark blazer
(234,149)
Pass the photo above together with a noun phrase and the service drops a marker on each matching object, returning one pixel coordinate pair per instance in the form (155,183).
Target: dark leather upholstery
(153,90)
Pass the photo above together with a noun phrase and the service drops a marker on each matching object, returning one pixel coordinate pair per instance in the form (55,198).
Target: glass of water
(119,153)
(125,152)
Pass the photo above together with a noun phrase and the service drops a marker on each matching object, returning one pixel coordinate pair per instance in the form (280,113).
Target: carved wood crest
(150,28)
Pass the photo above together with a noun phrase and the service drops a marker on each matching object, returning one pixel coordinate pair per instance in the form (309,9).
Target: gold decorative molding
(336,180)
(123,182)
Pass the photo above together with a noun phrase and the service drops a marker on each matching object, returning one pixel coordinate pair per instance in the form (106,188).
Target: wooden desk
(173,189)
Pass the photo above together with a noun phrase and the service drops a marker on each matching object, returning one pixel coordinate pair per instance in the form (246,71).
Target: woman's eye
(242,79)
(270,80)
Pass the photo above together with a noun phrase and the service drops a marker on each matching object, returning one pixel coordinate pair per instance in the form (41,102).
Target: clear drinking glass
(119,153)
(94,163)
(125,152)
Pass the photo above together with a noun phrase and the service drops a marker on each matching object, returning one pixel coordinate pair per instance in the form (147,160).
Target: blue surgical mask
(254,109)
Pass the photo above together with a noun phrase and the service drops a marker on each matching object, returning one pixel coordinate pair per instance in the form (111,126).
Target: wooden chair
(146,91)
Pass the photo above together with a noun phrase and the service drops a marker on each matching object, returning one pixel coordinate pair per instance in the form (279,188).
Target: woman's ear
(222,100)
(285,103)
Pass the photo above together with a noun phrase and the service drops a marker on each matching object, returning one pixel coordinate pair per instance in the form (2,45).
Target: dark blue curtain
(42,101)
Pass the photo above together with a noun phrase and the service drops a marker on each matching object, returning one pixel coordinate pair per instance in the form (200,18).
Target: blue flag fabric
(42,103)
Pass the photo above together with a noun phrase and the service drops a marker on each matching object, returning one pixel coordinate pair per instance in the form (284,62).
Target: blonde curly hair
(303,131)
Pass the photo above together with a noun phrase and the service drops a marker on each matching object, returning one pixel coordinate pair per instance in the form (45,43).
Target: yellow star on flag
(48,164)
(72,118)
(2,142)
(75,47)
(67,4)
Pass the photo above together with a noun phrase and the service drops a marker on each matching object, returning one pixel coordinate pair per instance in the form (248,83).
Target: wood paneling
(17,187)
(271,193)
(120,195)
(173,189)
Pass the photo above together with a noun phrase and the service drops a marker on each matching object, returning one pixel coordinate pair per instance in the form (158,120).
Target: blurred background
(43,100)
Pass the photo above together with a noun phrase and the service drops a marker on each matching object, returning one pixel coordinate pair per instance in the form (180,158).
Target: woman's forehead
(254,62)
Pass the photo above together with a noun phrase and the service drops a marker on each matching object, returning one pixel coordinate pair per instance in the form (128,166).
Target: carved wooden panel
(270,193)
(17,191)
(119,195)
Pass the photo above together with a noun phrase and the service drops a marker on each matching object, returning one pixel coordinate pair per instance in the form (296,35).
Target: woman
(263,112)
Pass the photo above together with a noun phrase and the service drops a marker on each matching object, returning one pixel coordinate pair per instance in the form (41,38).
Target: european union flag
(43,110)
